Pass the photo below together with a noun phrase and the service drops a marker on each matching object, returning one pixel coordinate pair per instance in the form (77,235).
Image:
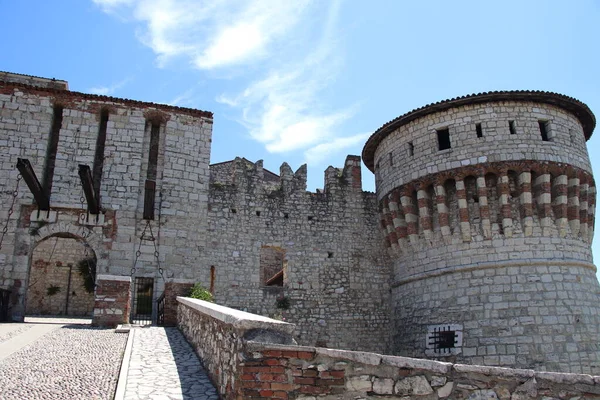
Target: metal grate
(4,299)
(141,310)
(443,339)
(160,310)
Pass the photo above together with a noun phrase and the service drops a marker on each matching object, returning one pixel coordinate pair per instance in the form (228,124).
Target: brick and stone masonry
(490,238)
(112,303)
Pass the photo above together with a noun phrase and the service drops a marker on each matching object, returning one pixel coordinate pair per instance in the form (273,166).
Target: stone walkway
(54,359)
(164,366)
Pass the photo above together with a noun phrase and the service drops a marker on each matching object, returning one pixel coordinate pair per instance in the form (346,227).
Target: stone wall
(113,301)
(27,111)
(336,278)
(244,367)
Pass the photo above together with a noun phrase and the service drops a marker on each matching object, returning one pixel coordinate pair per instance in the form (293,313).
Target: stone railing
(252,356)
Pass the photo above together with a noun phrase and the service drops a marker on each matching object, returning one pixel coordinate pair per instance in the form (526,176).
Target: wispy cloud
(183,99)
(109,90)
(295,42)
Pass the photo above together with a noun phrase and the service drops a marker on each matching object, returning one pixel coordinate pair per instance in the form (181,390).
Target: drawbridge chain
(138,253)
(15,194)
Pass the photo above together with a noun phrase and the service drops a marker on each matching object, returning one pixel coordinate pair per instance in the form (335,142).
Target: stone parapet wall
(217,334)
(113,301)
(257,367)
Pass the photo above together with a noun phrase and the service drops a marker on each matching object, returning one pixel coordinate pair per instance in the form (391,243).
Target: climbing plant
(87,270)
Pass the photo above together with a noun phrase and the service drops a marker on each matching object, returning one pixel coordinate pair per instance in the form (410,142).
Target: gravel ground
(20,328)
(71,362)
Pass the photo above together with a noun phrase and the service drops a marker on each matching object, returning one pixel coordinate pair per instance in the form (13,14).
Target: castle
(475,248)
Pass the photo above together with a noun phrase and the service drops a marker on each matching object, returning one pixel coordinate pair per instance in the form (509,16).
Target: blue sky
(306,81)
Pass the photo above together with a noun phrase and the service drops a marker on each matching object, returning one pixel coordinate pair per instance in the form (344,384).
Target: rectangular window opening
(391,157)
(544,131)
(443,136)
(273,265)
(57,118)
(258,213)
(478,130)
(153,151)
(99,155)
(411,149)
(511,127)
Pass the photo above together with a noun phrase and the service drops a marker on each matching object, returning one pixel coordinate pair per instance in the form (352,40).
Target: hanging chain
(156,253)
(15,193)
(138,253)
(87,260)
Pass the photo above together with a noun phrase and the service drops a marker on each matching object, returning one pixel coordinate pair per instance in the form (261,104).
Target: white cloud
(211,34)
(294,42)
(321,152)
(109,90)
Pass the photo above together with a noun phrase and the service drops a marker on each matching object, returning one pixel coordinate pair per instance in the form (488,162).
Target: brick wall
(173,289)
(113,301)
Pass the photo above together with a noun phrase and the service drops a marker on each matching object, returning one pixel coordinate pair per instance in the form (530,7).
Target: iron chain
(15,194)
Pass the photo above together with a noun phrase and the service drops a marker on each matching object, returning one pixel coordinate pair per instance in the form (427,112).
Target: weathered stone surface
(413,385)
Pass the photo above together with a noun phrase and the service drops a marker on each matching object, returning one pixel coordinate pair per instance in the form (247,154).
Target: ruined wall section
(335,275)
(181,194)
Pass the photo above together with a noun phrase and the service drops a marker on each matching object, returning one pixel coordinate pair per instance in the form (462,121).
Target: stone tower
(487,207)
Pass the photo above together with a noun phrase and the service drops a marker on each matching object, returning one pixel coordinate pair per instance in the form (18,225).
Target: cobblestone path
(164,366)
(69,362)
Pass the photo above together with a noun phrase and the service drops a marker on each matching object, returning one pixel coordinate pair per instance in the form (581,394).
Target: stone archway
(61,276)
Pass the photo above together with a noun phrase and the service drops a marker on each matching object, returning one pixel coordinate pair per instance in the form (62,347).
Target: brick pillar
(526,202)
(398,219)
(591,211)
(424,214)
(113,301)
(410,214)
(463,210)
(505,211)
(174,288)
(583,206)
(573,206)
(559,188)
(443,214)
(484,208)
(389,224)
(544,200)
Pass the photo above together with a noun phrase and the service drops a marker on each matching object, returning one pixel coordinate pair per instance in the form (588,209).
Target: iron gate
(143,292)
(160,310)
(4,299)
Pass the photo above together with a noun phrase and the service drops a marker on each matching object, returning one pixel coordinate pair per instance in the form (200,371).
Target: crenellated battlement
(252,177)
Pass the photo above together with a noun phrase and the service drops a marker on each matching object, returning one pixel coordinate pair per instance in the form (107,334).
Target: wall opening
(478,130)
(62,277)
(272,263)
(99,155)
(391,157)
(473,204)
(544,130)
(411,149)
(212,279)
(57,117)
(443,136)
(511,127)
(444,340)
(153,150)
(491,185)
(452,205)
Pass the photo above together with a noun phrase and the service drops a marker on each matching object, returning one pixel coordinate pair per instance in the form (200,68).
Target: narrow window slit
(544,130)
(511,127)
(99,155)
(286,215)
(330,254)
(258,213)
(57,117)
(391,157)
(411,149)
(478,130)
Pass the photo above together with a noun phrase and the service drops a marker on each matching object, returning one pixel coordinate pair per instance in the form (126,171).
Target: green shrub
(199,292)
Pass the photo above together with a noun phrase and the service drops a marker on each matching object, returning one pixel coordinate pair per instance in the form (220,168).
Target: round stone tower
(487,207)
